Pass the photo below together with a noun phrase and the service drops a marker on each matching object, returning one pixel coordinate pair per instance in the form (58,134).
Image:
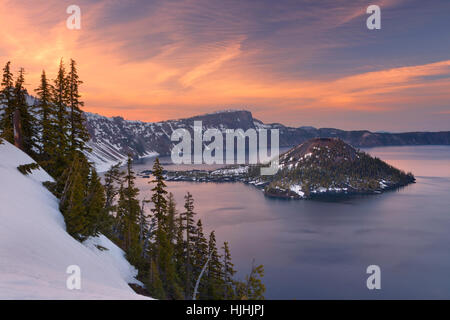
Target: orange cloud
(184,76)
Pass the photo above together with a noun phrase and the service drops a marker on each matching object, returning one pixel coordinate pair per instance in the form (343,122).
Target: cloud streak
(295,62)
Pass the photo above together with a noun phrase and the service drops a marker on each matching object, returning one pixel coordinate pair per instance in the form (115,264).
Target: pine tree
(82,199)
(76,217)
(163,252)
(112,182)
(199,258)
(180,253)
(159,195)
(154,283)
(77,129)
(228,273)
(121,211)
(255,286)
(188,217)
(46,114)
(25,123)
(6,104)
(159,211)
(73,183)
(215,278)
(167,268)
(128,212)
(252,288)
(97,216)
(60,102)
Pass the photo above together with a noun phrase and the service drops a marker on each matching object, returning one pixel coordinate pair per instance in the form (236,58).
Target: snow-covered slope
(36,250)
(112,139)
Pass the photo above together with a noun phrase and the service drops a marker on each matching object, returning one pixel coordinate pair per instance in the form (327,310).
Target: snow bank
(113,256)
(35,249)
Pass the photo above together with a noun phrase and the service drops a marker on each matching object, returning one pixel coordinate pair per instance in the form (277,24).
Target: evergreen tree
(255,286)
(73,183)
(180,253)
(97,216)
(6,104)
(215,278)
(60,102)
(167,268)
(25,122)
(163,252)
(128,213)
(159,196)
(121,211)
(77,129)
(154,283)
(252,288)
(228,273)
(188,217)
(76,217)
(46,114)
(199,258)
(112,182)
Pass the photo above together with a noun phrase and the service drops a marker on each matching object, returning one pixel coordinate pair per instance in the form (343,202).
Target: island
(317,168)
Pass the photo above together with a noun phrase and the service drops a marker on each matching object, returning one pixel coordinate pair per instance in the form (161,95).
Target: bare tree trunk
(18,142)
(67,185)
(194,296)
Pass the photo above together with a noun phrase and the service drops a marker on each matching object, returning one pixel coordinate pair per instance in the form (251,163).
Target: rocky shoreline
(240,174)
(317,168)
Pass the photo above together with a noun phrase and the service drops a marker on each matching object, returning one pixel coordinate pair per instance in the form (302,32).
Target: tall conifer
(199,258)
(97,216)
(129,210)
(25,124)
(215,277)
(77,128)
(60,101)
(46,115)
(7,104)
(228,273)
(189,227)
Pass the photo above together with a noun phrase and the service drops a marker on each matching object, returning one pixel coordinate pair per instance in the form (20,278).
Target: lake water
(320,250)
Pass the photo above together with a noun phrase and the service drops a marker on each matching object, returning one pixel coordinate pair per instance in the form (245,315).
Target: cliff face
(114,138)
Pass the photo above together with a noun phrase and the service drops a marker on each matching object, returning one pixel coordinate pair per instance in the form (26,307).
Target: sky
(300,63)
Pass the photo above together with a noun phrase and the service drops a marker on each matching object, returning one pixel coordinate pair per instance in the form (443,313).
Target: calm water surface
(313,249)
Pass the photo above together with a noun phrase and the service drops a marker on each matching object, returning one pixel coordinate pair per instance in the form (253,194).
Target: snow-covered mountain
(36,250)
(112,139)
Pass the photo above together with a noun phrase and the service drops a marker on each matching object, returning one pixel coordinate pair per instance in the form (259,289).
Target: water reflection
(315,249)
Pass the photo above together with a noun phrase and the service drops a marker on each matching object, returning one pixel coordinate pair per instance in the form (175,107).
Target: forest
(175,259)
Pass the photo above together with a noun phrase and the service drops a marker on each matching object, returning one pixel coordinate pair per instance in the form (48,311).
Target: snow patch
(297,189)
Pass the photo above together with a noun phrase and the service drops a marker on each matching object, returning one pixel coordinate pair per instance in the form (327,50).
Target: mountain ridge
(113,138)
